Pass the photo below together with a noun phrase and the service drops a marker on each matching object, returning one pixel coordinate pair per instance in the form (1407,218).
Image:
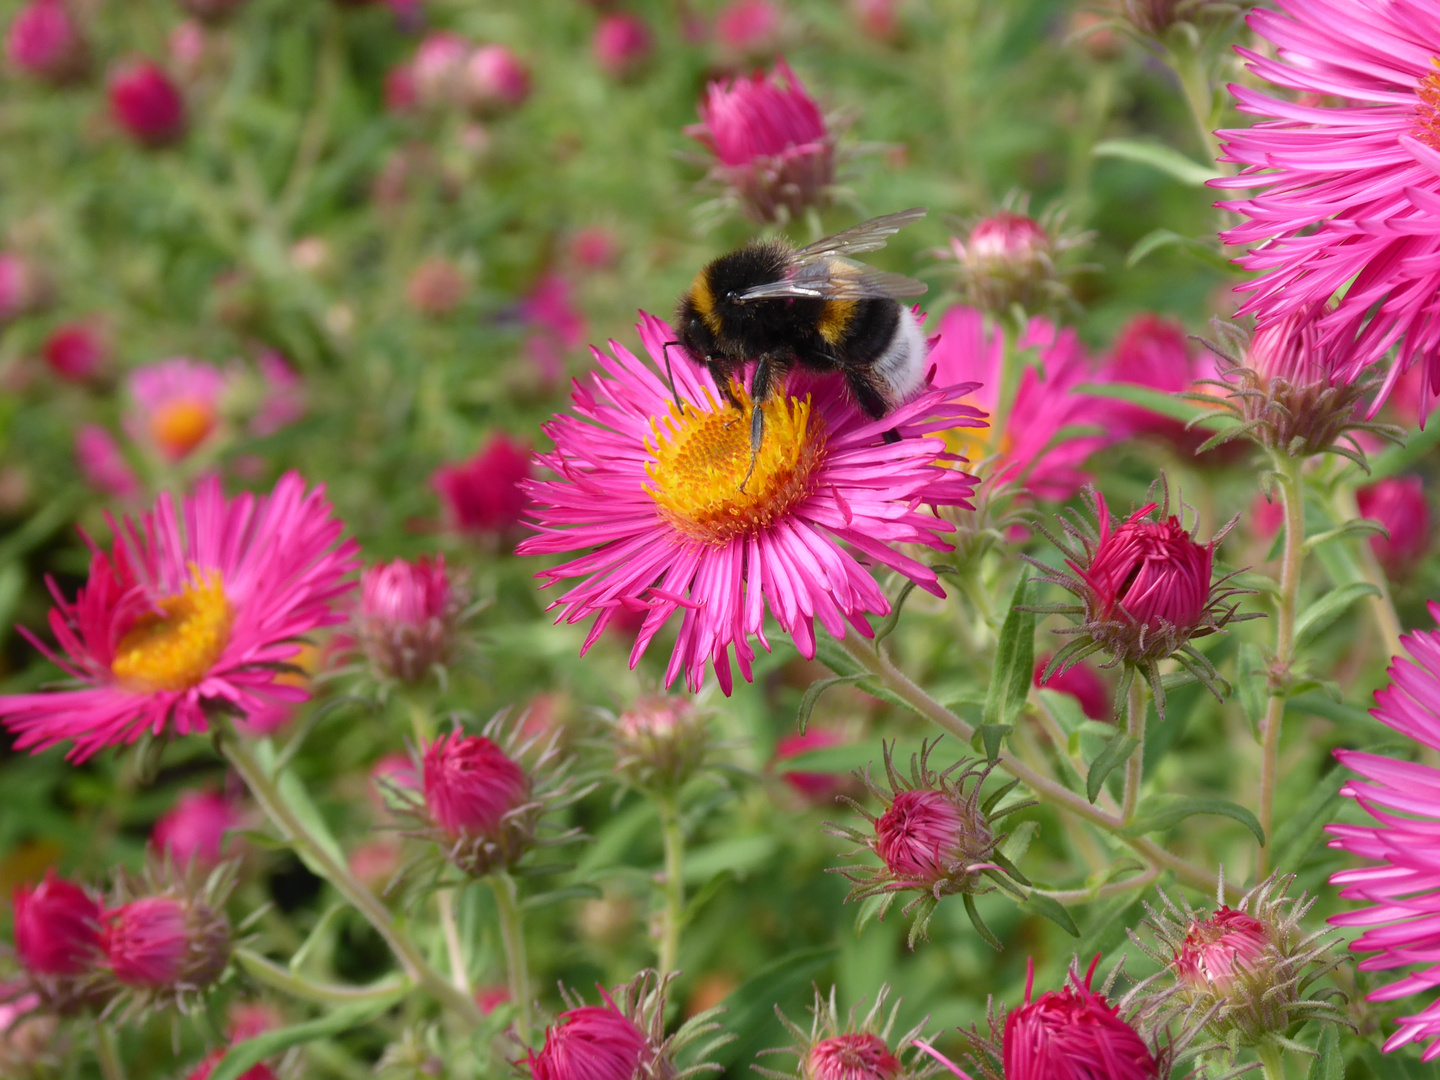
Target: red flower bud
(622,44)
(494,79)
(660,741)
(44,42)
(408,617)
(1149,573)
(57,927)
(147,104)
(1073,1034)
(472,790)
(925,836)
(1398,503)
(76,351)
(1221,949)
(593,1042)
(1082,682)
(858,1056)
(166,943)
(194,830)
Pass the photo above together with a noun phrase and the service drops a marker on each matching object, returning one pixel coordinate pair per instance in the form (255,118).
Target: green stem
(674,885)
(459,975)
(507,901)
(107,1054)
(286,981)
(1292,494)
(1183,54)
(1272,1061)
(263,788)
(1135,765)
(1046,789)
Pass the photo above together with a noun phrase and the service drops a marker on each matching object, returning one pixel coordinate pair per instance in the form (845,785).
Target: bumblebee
(813,308)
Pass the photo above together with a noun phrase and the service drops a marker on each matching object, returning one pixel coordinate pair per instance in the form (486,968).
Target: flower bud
(859,1056)
(402,93)
(103,465)
(436,287)
(485,496)
(57,927)
(44,42)
(853,1049)
(1074,1034)
(1080,681)
(494,80)
(1154,17)
(1010,258)
(147,104)
(77,352)
(191,46)
(438,67)
(622,44)
(1398,503)
(929,837)
(374,863)
(594,248)
(31,1043)
(660,742)
(878,20)
(1221,951)
(194,830)
(409,613)
(772,147)
(206,1067)
(23,286)
(166,943)
(748,27)
(479,799)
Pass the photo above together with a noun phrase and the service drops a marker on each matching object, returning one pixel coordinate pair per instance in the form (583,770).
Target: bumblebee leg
(870,400)
(766,370)
(670,375)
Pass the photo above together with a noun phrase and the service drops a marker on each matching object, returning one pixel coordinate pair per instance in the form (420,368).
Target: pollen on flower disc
(181,425)
(174,648)
(702,456)
(1427,113)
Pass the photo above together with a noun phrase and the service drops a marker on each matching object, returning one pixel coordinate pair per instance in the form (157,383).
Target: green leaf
(1396,459)
(975,920)
(1251,683)
(300,804)
(832,759)
(1158,156)
(244,1056)
(989,737)
(1018,842)
(1050,908)
(752,1003)
(1163,238)
(833,655)
(1158,812)
(1297,834)
(739,855)
(1014,661)
(555,896)
(1116,752)
(815,689)
(1330,1064)
(1157,401)
(1328,608)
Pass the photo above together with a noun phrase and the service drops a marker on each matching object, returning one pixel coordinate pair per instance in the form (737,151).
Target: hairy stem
(512,933)
(107,1054)
(1272,1061)
(674,885)
(1292,493)
(445,902)
(287,982)
(267,795)
(1102,892)
(1185,57)
(1046,789)
(1135,765)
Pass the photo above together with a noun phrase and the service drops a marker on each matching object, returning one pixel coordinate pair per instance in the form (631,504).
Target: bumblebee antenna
(670,375)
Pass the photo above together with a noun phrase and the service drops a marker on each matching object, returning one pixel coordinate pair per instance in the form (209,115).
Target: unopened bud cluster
(660,742)
(851,1049)
(410,614)
(1010,258)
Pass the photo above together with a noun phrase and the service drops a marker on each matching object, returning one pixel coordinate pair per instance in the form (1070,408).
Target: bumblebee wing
(838,279)
(867,236)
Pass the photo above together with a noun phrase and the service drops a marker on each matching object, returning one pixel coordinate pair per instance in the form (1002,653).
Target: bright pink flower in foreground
(593,1042)
(1082,682)
(44,42)
(193,606)
(656,495)
(1025,448)
(76,351)
(1228,946)
(1350,191)
(102,463)
(1401,881)
(771,143)
(1398,503)
(193,831)
(622,44)
(147,104)
(1073,1034)
(486,494)
(860,1055)
(176,405)
(57,927)
(470,785)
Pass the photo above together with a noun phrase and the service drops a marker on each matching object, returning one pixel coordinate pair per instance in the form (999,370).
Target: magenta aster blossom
(656,492)
(852,1048)
(196,607)
(103,464)
(44,42)
(479,801)
(194,830)
(1401,881)
(147,104)
(1028,448)
(176,405)
(1348,195)
(1074,1034)
(57,927)
(1398,503)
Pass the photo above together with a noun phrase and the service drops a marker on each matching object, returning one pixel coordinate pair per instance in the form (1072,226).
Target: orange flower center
(702,456)
(180,425)
(175,648)
(1427,112)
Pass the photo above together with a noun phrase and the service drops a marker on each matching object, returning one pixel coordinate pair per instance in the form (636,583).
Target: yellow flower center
(175,648)
(702,456)
(179,426)
(1427,113)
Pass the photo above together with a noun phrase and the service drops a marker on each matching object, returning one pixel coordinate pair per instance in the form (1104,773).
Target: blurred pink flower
(877,19)
(408,615)
(438,67)
(494,80)
(1082,682)
(1348,195)
(284,400)
(195,604)
(175,405)
(165,942)
(22,286)
(147,104)
(490,998)
(748,26)
(436,287)
(771,144)
(402,93)
(1398,503)
(207,1067)
(1152,352)
(556,324)
(858,1055)
(594,247)
(1028,449)
(189,43)
(44,42)
(1400,881)
(655,496)
(485,495)
(817,787)
(622,44)
(57,927)
(103,465)
(1266,518)
(77,351)
(193,830)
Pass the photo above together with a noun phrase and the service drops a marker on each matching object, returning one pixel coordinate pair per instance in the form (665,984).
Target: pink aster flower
(1348,195)
(1398,503)
(103,464)
(409,614)
(1082,682)
(556,325)
(194,607)
(24,286)
(655,493)
(1401,879)
(77,351)
(57,927)
(44,43)
(494,80)
(194,830)
(176,405)
(854,1048)
(485,496)
(815,787)
(171,944)
(1074,1034)
(1153,352)
(622,44)
(748,26)
(147,104)
(1027,448)
(772,146)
